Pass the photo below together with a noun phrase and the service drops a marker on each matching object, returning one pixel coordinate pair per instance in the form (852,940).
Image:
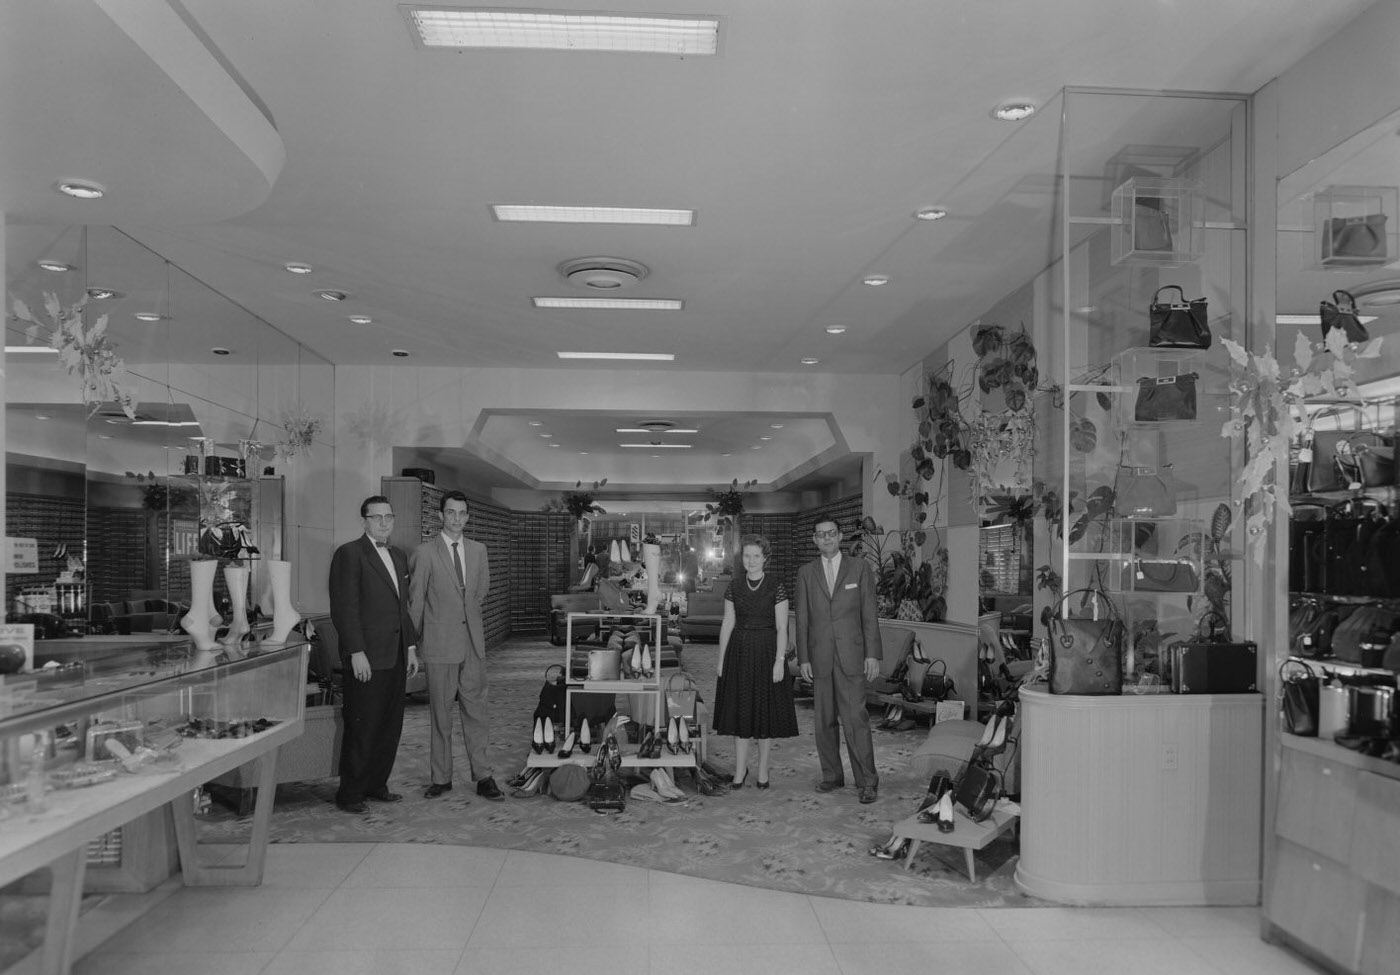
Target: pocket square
(851,585)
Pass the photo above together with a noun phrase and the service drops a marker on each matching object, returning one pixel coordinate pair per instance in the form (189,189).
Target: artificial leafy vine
(85,351)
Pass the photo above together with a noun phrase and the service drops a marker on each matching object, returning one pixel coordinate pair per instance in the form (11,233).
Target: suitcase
(1215,668)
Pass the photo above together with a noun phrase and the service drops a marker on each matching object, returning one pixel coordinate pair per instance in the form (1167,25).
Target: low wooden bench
(966,834)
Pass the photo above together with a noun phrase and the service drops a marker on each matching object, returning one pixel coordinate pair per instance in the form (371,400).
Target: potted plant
(907,587)
(725,510)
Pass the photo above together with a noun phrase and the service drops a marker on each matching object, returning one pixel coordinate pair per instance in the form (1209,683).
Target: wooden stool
(966,834)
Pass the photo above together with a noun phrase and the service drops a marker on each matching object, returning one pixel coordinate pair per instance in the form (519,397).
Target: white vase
(236,578)
(651,557)
(196,621)
(284,614)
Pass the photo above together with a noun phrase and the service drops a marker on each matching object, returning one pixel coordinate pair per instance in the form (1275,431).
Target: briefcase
(1215,668)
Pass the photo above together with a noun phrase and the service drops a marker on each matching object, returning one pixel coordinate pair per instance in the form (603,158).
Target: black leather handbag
(1164,575)
(1212,663)
(1340,312)
(1347,535)
(1298,698)
(1179,324)
(1166,398)
(1366,459)
(1086,655)
(1306,564)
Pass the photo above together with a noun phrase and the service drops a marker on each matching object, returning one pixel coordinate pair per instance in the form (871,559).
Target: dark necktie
(457,564)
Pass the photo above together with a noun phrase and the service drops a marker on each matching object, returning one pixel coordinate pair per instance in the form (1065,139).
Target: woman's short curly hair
(763,545)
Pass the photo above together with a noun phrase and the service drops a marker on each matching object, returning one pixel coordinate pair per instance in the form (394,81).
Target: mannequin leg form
(236,578)
(651,556)
(196,621)
(284,614)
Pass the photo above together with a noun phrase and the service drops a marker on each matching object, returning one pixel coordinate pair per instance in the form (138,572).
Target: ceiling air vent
(607,274)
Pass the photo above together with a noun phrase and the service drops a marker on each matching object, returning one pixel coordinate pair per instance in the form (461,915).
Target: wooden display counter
(1141,800)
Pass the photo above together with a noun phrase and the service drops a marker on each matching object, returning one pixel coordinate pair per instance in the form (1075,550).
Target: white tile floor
(355,909)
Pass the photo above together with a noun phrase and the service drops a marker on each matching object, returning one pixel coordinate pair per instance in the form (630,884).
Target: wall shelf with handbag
(1354,226)
(1156,221)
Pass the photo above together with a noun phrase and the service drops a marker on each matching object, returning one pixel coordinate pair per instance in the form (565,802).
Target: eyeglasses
(379,518)
(829,533)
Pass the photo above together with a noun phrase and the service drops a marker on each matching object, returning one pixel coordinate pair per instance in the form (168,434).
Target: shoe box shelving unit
(653,686)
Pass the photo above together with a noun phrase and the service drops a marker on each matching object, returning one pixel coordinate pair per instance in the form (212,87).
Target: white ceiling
(235,137)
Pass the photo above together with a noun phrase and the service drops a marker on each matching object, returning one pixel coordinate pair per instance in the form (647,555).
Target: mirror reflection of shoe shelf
(662,756)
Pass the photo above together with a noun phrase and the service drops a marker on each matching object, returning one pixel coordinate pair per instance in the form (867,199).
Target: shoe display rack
(652,686)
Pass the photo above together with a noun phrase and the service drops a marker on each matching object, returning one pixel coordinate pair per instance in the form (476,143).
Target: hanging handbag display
(1355,241)
(1179,324)
(1212,663)
(1086,655)
(1164,575)
(1166,398)
(1298,698)
(1340,312)
(1145,492)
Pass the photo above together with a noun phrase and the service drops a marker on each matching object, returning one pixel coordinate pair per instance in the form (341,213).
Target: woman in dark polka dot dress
(753,700)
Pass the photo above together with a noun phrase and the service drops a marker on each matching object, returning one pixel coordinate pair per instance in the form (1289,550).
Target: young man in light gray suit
(838,650)
(450,579)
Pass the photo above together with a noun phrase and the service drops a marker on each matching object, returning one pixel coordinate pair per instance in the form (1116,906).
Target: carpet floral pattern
(785,838)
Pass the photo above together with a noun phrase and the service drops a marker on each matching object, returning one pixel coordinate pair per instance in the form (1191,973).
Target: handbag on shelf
(1306,537)
(1347,535)
(1340,312)
(1164,575)
(1366,459)
(1298,698)
(1314,640)
(1363,636)
(1177,324)
(1145,492)
(1086,655)
(927,679)
(1152,228)
(1166,398)
(552,694)
(680,700)
(1355,240)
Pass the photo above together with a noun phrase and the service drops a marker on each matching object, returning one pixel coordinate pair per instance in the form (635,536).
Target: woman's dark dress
(748,704)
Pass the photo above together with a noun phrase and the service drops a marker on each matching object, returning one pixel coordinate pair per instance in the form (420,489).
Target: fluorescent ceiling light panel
(617,304)
(658,446)
(647,356)
(1314,319)
(541,30)
(525,213)
(29,350)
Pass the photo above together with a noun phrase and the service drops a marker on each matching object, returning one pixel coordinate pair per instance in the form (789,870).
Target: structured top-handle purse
(1179,324)
(1340,312)
(1086,655)
(1152,227)
(1145,492)
(1355,240)
(1166,398)
(1298,698)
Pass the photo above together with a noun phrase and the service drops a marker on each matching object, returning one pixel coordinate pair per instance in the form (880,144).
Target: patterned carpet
(784,838)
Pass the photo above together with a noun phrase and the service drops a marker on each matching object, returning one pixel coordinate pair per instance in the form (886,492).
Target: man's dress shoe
(867,795)
(437,789)
(488,789)
(830,786)
(353,807)
(384,795)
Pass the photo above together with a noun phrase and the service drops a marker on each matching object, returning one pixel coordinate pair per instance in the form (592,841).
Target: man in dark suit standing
(838,650)
(378,653)
(450,581)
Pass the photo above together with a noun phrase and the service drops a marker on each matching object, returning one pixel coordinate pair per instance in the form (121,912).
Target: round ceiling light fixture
(603,273)
(810,360)
(930,213)
(875,280)
(360,320)
(656,426)
(57,267)
(148,316)
(399,353)
(836,330)
(82,189)
(297,268)
(1016,110)
(220,350)
(330,295)
(103,294)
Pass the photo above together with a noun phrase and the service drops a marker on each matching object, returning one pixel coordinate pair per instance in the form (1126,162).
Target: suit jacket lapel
(378,563)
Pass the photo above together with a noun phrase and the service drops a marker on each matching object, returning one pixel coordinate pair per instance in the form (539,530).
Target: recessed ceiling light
(810,360)
(536,423)
(82,189)
(836,330)
(757,446)
(726,454)
(360,319)
(220,350)
(658,446)
(30,350)
(56,266)
(108,436)
(875,280)
(583,453)
(43,416)
(554,445)
(643,216)
(542,30)
(332,295)
(765,438)
(775,426)
(630,304)
(930,213)
(148,316)
(102,294)
(626,356)
(399,353)
(1014,111)
(546,435)
(649,430)
(296,268)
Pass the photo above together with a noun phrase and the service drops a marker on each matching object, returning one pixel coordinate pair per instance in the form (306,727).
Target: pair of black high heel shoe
(993,740)
(937,805)
(542,739)
(892,849)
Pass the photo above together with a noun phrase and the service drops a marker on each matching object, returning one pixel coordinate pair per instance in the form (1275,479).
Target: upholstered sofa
(561,605)
(704,612)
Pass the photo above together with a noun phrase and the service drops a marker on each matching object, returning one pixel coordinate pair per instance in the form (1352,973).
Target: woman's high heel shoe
(739,783)
(567,749)
(648,740)
(683,730)
(673,736)
(585,737)
(549,735)
(646,661)
(537,739)
(945,813)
